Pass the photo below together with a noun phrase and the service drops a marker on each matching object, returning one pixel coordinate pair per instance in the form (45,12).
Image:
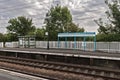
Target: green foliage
(108,37)
(58,20)
(40,34)
(74,28)
(1,37)
(113,15)
(21,26)
(10,37)
(104,28)
(110,31)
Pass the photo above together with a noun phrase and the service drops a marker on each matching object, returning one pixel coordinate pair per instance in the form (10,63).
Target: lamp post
(47,34)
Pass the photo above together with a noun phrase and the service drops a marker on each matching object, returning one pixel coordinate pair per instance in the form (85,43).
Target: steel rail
(64,67)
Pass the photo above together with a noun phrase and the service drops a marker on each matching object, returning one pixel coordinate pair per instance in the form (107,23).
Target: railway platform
(10,75)
(94,58)
(64,52)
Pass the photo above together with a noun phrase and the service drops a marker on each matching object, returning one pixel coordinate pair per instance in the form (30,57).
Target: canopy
(78,34)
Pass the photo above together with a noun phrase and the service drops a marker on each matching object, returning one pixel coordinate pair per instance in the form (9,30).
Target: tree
(72,27)
(56,20)
(20,26)
(113,16)
(10,37)
(40,34)
(104,28)
(1,37)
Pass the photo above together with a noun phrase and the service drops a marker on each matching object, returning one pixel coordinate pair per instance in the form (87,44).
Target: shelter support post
(84,43)
(65,42)
(74,42)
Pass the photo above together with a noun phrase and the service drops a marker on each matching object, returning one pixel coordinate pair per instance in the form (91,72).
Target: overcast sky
(84,12)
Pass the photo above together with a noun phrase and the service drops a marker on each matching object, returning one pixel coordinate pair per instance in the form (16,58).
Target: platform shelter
(27,41)
(75,35)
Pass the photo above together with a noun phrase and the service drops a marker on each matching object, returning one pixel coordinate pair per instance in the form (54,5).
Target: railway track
(69,68)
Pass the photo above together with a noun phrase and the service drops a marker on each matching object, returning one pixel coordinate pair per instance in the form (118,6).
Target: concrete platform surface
(9,75)
(65,52)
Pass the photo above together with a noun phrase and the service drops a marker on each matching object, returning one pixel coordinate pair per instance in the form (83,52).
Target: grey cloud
(83,11)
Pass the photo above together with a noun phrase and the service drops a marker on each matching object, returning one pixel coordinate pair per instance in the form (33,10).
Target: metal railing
(101,46)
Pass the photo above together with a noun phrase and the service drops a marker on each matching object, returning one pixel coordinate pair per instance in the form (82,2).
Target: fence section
(11,44)
(1,45)
(101,46)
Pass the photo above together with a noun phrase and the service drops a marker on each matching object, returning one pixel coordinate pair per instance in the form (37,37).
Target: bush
(108,37)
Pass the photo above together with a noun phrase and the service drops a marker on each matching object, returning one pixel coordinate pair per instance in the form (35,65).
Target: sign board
(46,33)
